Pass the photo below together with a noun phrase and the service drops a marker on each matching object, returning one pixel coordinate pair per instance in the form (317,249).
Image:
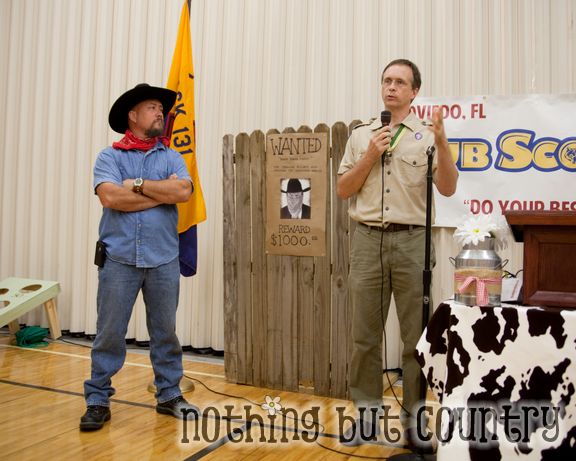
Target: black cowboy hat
(118,117)
(294,185)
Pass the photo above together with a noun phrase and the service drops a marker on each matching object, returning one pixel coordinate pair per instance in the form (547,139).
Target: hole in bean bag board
(31,288)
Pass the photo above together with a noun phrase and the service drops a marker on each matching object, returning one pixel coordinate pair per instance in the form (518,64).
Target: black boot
(94,418)
(179,408)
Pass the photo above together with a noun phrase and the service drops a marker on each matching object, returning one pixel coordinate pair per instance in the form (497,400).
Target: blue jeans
(118,287)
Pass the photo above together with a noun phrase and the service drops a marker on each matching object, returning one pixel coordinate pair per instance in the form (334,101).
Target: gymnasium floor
(41,402)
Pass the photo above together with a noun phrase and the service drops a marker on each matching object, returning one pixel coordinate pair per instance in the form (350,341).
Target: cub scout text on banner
(183,140)
(513,153)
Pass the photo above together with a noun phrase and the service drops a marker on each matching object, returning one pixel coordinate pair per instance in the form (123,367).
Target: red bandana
(130,142)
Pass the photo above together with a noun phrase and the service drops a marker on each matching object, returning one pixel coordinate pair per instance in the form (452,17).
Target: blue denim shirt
(147,238)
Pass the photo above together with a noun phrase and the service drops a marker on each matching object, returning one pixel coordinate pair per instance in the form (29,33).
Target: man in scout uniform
(383,173)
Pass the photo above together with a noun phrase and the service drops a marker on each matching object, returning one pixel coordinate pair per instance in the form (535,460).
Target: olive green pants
(383,263)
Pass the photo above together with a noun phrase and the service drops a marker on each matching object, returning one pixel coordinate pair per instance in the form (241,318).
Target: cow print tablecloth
(505,378)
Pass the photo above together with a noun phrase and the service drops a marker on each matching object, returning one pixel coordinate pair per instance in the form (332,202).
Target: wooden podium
(549,256)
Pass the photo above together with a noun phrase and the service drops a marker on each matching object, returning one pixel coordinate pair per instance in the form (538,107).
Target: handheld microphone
(385,117)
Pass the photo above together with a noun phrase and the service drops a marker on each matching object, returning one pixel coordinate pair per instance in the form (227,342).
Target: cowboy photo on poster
(296,169)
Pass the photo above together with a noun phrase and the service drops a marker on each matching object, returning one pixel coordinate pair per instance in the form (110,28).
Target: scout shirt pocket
(412,169)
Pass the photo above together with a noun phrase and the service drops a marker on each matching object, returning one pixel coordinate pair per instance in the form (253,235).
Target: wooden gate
(286,318)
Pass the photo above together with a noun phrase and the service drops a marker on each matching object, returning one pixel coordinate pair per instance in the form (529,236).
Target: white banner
(512,153)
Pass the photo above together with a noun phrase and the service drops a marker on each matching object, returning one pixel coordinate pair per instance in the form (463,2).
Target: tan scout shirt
(403,179)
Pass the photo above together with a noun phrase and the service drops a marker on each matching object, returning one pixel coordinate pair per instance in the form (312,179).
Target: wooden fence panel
(340,320)
(305,306)
(230,275)
(287,317)
(320,347)
(258,226)
(289,306)
(244,259)
(275,273)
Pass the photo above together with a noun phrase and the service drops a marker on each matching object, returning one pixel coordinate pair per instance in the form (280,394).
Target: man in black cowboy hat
(138,180)
(295,208)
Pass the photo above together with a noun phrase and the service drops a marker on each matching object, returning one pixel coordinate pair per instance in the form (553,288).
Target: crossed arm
(154,193)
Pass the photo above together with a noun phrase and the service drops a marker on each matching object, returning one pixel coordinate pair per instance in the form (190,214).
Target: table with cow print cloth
(505,379)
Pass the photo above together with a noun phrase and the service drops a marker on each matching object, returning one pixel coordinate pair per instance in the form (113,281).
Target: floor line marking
(87,357)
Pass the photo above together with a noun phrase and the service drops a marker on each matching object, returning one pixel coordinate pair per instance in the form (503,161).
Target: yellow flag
(183,139)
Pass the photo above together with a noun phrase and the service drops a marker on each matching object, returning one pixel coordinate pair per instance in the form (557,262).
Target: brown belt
(392,227)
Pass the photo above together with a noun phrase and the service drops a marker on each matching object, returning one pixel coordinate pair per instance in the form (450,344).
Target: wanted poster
(296,171)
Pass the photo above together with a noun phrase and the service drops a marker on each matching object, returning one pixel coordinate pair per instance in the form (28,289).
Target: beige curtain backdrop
(259,64)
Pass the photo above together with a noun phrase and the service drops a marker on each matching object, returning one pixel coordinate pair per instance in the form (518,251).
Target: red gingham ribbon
(481,288)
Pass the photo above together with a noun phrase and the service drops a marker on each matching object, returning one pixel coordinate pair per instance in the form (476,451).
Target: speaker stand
(427,280)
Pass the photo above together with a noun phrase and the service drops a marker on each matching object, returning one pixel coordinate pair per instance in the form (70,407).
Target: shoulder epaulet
(369,122)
